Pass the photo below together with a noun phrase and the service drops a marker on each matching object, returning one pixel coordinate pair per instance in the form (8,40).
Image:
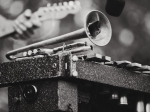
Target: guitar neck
(45,13)
(6,31)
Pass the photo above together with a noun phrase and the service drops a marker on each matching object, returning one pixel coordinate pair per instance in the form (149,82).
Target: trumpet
(96,27)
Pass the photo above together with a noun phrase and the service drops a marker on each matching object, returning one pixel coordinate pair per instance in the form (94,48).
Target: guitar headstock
(58,10)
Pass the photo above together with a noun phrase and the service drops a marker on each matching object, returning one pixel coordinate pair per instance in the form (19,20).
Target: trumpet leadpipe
(69,36)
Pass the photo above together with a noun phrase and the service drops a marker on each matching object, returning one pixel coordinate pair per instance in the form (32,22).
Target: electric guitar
(51,12)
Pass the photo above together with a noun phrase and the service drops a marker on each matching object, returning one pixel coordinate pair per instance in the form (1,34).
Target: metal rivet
(75,73)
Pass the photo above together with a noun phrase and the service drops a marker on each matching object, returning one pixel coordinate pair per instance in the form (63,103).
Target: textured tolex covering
(119,77)
(33,69)
(62,65)
(63,82)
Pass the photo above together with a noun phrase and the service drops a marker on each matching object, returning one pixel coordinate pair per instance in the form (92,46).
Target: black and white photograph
(74,56)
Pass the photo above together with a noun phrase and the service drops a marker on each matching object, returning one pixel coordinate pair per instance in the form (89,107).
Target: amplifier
(67,82)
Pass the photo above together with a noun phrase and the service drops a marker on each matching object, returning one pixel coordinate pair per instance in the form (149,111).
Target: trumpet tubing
(96,27)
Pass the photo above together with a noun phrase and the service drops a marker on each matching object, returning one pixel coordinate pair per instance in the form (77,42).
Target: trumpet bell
(98,28)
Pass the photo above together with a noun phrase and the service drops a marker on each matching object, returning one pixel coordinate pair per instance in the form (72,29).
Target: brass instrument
(97,27)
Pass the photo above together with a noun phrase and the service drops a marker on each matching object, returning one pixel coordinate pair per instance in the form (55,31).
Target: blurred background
(130,31)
